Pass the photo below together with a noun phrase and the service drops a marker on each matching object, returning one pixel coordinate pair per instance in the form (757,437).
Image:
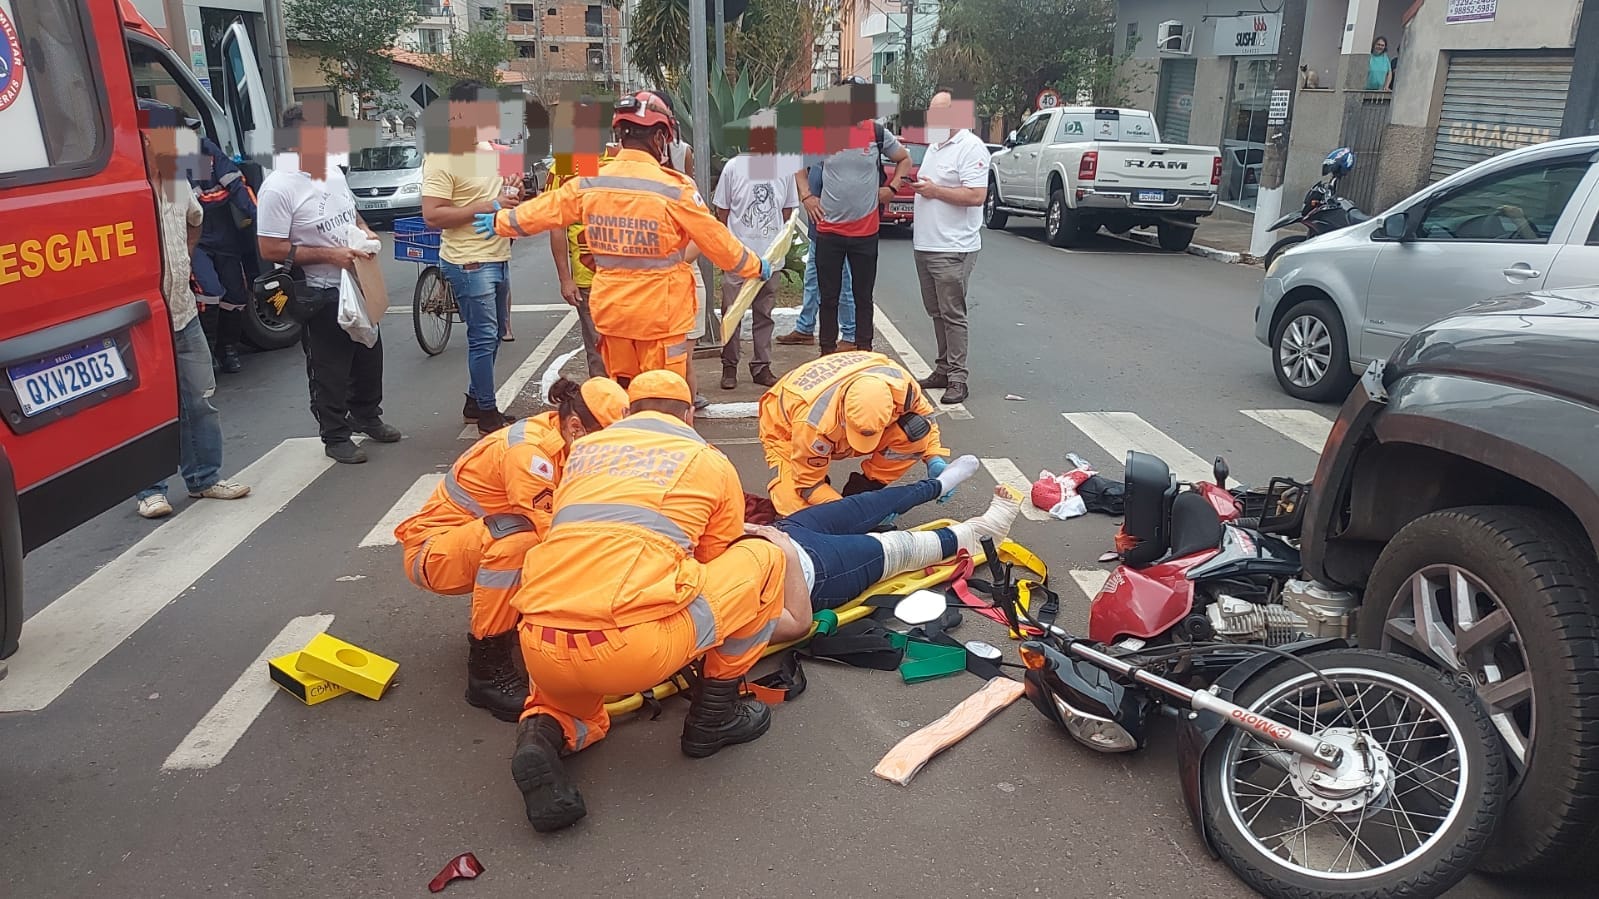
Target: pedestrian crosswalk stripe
(1304,427)
(916,365)
(1090,580)
(519,307)
(1118,432)
(65,639)
(512,388)
(217,733)
(409,503)
(1005,472)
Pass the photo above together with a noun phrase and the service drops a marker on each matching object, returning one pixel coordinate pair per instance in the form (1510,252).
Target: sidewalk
(1223,235)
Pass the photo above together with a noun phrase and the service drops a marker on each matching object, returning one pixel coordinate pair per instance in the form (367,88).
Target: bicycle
(433,309)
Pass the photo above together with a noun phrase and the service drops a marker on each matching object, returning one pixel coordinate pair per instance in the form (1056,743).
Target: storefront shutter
(1177,99)
(1497,103)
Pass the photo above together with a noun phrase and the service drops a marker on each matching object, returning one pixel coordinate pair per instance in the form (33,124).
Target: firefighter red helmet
(645,110)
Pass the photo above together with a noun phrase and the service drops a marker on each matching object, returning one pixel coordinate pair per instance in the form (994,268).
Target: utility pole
(699,81)
(721,35)
(1582,103)
(910,54)
(1274,168)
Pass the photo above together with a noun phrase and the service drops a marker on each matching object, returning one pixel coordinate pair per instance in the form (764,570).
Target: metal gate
(1365,119)
(1176,99)
(1498,103)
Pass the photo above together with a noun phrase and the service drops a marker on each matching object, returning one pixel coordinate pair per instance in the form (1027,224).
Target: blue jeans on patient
(479,289)
(199,423)
(812,303)
(834,534)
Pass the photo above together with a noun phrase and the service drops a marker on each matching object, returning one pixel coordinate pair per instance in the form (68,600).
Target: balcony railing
(429,9)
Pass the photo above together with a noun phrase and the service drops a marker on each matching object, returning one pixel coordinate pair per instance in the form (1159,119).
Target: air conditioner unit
(1174,37)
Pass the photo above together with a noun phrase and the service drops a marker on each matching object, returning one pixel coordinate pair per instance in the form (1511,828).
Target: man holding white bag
(306,217)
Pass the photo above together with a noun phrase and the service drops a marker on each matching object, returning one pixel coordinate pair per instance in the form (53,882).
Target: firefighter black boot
(719,717)
(551,798)
(492,681)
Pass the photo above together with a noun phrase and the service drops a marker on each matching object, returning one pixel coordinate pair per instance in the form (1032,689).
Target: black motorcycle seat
(1356,216)
(1195,526)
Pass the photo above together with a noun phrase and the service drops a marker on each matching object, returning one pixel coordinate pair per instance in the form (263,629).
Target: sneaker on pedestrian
(377,429)
(729,377)
(230,362)
(846,346)
(955,393)
(934,381)
(796,338)
(222,490)
(470,410)
(700,402)
(154,507)
(763,376)
(491,420)
(345,452)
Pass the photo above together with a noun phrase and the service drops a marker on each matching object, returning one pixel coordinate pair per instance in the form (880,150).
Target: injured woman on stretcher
(833,548)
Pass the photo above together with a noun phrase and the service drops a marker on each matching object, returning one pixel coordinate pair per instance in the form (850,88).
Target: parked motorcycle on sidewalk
(1323,210)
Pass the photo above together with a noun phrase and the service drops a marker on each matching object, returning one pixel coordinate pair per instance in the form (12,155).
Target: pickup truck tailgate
(1155,166)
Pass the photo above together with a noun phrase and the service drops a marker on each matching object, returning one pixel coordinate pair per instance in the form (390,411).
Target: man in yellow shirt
(573,263)
(457,184)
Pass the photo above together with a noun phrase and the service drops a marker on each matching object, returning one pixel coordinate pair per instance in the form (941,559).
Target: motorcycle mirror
(920,607)
(1220,471)
(983,650)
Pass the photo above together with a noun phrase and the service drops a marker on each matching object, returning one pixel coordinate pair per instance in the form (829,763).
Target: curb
(1218,255)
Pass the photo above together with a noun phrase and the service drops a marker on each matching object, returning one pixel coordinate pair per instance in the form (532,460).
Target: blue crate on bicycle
(414,241)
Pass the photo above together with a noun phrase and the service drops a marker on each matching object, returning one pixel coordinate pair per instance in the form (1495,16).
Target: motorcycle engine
(1241,621)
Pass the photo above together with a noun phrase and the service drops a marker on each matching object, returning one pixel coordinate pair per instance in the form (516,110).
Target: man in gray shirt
(846,217)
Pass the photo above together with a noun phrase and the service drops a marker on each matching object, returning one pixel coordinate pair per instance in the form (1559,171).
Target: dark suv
(1458,495)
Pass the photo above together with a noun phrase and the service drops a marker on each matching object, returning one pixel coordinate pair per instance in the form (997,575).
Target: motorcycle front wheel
(1407,813)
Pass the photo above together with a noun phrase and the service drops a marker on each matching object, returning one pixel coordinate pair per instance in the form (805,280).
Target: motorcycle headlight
(1098,734)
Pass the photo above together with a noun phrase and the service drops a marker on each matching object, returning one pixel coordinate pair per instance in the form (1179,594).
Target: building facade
(195,29)
(569,44)
(1471,79)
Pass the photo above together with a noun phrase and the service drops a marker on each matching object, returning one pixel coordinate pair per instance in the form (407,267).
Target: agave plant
(730,101)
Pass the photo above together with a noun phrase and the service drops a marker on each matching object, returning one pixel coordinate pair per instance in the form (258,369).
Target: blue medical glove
(483,222)
(766,270)
(935,467)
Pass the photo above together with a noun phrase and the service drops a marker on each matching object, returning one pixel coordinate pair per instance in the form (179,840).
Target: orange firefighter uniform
(637,217)
(837,407)
(459,543)
(640,575)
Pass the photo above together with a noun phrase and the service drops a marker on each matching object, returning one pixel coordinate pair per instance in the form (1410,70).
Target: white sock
(995,523)
(956,472)
(908,551)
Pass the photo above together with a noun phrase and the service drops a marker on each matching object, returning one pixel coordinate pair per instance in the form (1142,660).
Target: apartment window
(594,22)
(596,58)
(527,50)
(430,40)
(555,48)
(1132,37)
(487,13)
(551,11)
(429,9)
(523,12)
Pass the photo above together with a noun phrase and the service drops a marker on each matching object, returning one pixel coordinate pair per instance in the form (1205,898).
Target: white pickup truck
(1081,167)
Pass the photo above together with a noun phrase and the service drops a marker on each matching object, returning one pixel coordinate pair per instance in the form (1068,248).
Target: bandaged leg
(995,523)
(911,550)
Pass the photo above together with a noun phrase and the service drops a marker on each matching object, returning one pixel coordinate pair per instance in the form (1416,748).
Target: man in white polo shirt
(951,186)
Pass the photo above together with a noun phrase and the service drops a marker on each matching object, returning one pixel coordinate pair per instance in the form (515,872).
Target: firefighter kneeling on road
(841,406)
(644,570)
(638,217)
(492,507)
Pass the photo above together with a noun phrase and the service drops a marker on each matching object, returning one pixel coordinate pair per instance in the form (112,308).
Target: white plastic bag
(352,313)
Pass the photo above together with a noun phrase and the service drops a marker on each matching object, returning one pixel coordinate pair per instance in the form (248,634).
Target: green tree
(769,40)
(473,54)
(354,39)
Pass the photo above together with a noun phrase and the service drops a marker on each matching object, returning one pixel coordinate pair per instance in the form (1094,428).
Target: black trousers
(346,377)
(225,327)
(832,250)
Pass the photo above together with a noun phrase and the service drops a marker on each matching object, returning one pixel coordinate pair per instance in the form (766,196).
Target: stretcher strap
(783,685)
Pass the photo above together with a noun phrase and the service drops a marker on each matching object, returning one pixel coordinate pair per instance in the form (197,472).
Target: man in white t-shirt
(754,197)
(951,186)
(304,213)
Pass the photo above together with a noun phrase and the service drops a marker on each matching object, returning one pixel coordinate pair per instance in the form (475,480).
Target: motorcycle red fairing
(1144,602)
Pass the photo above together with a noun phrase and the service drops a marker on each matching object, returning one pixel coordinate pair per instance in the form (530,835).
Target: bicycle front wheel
(432,311)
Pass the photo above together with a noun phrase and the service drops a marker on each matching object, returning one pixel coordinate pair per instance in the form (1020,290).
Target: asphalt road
(155,761)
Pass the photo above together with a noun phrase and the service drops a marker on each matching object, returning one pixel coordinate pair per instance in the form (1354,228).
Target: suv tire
(1173,238)
(1546,579)
(1062,224)
(993,217)
(1311,335)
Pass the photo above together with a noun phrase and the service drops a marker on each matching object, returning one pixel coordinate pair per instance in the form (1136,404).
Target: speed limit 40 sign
(1048,98)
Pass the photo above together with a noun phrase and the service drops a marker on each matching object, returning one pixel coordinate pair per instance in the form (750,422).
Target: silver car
(387,182)
(1518,222)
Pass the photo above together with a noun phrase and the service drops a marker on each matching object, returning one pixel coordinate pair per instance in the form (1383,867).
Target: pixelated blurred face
(472,122)
(946,115)
(173,151)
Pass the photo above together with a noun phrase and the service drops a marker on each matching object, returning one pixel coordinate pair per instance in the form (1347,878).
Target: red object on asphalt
(901,209)
(463,867)
(759,509)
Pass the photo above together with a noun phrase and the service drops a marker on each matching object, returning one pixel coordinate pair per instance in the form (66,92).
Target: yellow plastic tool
(854,610)
(356,669)
(307,688)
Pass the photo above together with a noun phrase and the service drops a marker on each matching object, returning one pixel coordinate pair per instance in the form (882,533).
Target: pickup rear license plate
(907,207)
(43,385)
(1151,196)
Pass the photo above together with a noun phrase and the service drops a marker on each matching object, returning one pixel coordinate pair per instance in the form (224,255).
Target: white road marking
(1090,580)
(914,363)
(728,410)
(1005,472)
(211,739)
(1118,432)
(65,639)
(1302,426)
(512,388)
(736,441)
(527,307)
(409,503)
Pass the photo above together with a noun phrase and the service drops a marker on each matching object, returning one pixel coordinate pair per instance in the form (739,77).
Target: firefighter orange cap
(659,384)
(868,408)
(606,399)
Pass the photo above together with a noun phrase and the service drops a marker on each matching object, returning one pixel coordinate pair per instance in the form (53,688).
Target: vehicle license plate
(48,383)
(1151,196)
(902,207)
(370,204)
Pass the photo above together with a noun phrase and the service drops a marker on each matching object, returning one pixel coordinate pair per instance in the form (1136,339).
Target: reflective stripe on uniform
(499,578)
(677,349)
(896,454)
(639,262)
(580,734)
(515,225)
(805,492)
(417,564)
(734,647)
(660,427)
(742,259)
(823,400)
(460,497)
(517,434)
(619,513)
(622,182)
(704,624)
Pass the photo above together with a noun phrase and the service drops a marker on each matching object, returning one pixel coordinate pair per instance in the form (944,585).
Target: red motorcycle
(1204,564)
